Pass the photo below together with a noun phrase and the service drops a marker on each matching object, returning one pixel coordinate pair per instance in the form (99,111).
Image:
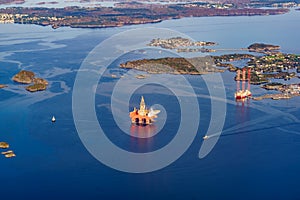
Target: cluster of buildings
(178,42)
(287,91)
(28,19)
(210,5)
(292,89)
(285,4)
(6,18)
(23,18)
(276,62)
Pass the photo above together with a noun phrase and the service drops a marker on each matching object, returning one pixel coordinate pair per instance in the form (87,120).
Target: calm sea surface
(256,157)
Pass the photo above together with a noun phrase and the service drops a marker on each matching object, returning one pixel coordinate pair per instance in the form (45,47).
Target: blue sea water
(256,156)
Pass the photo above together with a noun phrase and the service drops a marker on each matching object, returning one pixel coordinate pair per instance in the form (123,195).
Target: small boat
(53,119)
(205,137)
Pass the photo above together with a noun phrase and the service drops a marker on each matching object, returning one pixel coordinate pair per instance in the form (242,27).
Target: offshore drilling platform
(242,94)
(143,116)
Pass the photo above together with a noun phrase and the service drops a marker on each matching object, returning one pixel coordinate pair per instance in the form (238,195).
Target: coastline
(107,17)
(271,64)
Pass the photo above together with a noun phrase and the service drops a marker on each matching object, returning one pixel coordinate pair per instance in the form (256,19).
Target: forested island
(192,66)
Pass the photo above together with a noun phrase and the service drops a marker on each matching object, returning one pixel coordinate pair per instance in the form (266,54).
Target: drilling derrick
(143,116)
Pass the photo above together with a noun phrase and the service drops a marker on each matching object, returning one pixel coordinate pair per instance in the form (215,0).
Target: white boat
(205,137)
(53,119)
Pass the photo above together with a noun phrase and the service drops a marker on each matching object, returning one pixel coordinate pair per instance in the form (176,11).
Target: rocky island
(28,77)
(4,145)
(36,87)
(24,77)
(263,48)
(7,154)
(2,86)
(272,86)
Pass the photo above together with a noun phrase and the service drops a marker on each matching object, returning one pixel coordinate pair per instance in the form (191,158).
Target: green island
(28,77)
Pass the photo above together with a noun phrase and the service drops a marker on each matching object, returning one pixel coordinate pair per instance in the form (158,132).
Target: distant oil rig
(242,94)
(143,116)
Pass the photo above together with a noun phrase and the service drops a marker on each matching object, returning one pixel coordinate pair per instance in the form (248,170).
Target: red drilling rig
(242,93)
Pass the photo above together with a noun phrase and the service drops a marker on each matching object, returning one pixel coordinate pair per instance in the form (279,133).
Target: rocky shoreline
(286,91)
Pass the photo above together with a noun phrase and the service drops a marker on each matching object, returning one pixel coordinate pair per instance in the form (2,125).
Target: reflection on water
(142,140)
(242,102)
(242,113)
(142,131)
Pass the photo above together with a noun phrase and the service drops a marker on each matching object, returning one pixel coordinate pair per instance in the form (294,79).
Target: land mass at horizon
(124,14)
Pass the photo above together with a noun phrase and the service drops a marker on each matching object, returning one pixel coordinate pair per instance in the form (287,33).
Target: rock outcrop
(28,77)
(4,145)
